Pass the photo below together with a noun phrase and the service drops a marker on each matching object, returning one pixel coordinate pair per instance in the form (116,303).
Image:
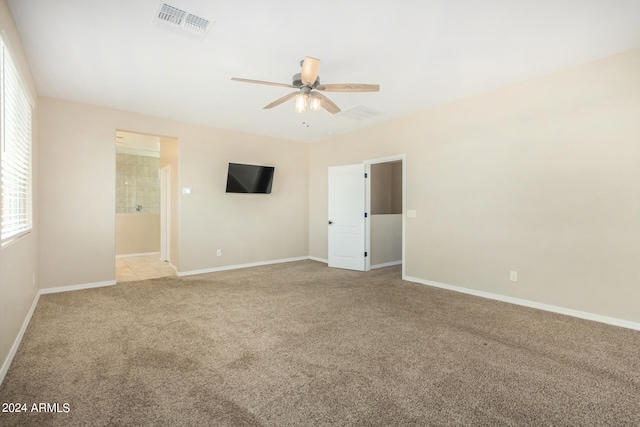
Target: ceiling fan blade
(348,87)
(310,70)
(260,82)
(281,100)
(328,104)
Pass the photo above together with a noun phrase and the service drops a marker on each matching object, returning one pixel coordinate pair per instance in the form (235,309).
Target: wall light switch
(219,252)
(186,190)
(411,213)
(513,276)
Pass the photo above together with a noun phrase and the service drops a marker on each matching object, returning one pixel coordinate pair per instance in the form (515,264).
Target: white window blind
(15,151)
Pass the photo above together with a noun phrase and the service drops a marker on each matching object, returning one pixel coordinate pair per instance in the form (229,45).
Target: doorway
(366,221)
(143,189)
(385,201)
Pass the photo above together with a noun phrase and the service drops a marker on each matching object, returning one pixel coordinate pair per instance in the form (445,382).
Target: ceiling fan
(308,84)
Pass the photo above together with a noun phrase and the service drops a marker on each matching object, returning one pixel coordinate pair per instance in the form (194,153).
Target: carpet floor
(300,344)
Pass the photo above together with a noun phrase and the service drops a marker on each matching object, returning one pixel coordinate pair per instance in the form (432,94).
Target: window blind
(15,151)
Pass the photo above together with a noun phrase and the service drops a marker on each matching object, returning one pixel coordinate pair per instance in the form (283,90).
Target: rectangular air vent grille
(182,20)
(195,24)
(360,112)
(171,14)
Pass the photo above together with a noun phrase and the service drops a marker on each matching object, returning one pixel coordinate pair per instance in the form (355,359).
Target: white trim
(172,266)
(367,209)
(11,240)
(386,264)
(77,287)
(315,258)
(165,213)
(138,152)
(387,159)
(532,304)
(142,254)
(16,343)
(237,266)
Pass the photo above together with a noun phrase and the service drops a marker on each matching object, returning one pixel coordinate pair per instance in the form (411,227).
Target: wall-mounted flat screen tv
(249,178)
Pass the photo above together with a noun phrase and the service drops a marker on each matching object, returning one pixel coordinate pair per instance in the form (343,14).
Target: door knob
(330,222)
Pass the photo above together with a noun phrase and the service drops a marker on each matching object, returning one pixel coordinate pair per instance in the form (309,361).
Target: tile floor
(143,267)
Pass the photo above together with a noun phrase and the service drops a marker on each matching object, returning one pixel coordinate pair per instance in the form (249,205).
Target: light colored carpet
(301,344)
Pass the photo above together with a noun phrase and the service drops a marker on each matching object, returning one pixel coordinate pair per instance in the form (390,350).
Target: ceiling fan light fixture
(314,102)
(301,102)
(307,82)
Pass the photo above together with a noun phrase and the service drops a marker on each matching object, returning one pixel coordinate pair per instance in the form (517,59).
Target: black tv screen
(249,178)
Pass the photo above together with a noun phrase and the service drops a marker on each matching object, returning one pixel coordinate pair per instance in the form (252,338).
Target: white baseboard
(373,267)
(532,304)
(142,254)
(386,264)
(18,340)
(77,287)
(237,266)
(173,267)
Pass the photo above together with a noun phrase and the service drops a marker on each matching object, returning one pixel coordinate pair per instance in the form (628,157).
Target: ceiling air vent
(182,20)
(195,24)
(171,15)
(360,112)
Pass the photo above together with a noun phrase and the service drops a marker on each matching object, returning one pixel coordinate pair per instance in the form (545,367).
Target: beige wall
(137,233)
(386,188)
(19,260)
(540,177)
(386,239)
(380,188)
(248,228)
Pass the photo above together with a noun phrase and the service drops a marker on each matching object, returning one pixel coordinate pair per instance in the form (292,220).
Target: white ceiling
(423,53)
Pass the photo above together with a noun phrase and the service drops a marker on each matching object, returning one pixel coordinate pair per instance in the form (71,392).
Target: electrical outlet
(219,252)
(513,276)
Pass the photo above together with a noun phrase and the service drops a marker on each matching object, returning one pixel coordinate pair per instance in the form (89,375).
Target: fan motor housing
(297,81)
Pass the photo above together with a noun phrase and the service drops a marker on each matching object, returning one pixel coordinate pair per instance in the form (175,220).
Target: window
(15,151)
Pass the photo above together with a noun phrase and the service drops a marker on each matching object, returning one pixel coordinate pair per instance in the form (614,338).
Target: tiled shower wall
(137,184)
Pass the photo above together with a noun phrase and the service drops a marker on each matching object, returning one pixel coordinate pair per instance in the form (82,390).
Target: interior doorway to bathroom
(143,206)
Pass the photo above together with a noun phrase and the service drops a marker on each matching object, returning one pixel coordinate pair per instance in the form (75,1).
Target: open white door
(346,217)
(165,213)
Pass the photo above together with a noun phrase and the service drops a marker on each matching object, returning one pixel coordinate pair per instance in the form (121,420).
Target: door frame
(367,198)
(165,214)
